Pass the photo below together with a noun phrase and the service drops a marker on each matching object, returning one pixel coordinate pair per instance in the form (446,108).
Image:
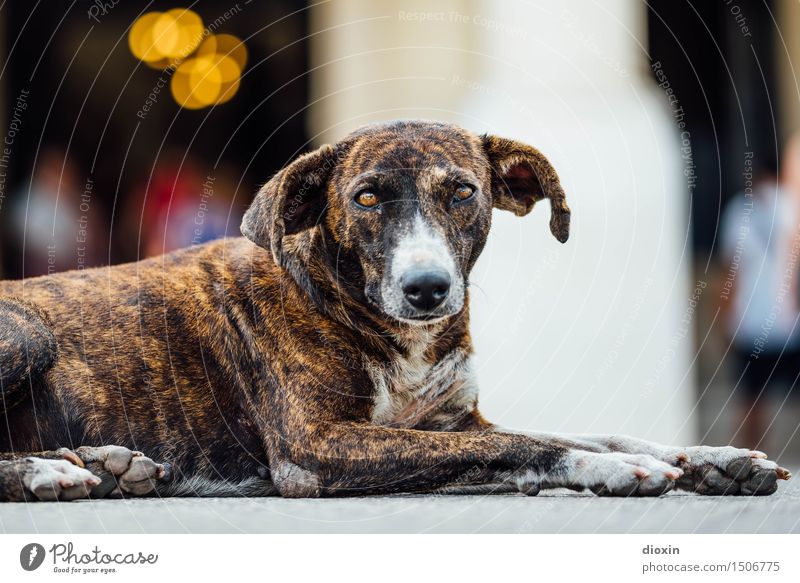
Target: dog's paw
(720,471)
(121,471)
(50,479)
(619,474)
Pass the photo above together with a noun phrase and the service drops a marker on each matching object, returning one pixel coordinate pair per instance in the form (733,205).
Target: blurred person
(760,307)
(182,206)
(53,219)
(170,207)
(217,214)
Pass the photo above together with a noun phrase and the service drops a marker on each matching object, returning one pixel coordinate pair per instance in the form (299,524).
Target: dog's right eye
(366,199)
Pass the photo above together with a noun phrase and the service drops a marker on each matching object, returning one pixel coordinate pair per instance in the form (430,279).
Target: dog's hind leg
(122,472)
(28,348)
(66,474)
(45,476)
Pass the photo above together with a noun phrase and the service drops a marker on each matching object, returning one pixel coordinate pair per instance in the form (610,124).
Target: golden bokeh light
(140,38)
(225,44)
(207,67)
(205,80)
(177,33)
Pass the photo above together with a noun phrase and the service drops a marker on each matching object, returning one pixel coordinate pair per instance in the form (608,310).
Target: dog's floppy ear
(293,200)
(521,175)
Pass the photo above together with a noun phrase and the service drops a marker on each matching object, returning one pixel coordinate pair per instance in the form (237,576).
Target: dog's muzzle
(422,283)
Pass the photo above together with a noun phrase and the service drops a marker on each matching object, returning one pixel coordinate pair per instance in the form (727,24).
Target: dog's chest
(410,385)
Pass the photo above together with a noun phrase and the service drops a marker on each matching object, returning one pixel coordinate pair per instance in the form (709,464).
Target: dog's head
(404,209)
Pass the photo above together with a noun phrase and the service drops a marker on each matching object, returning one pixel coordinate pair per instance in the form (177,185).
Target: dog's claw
(164,472)
(71,457)
(783,474)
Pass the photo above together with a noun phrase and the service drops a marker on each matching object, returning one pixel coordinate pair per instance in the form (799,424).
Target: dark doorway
(719,59)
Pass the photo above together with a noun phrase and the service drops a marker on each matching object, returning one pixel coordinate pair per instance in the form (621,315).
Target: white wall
(588,336)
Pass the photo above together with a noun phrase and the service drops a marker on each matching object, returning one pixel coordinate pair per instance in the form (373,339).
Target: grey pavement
(557,511)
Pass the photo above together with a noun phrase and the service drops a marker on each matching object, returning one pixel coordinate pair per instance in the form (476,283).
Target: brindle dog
(325,354)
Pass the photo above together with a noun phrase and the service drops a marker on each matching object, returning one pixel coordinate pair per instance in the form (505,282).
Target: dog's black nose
(426,289)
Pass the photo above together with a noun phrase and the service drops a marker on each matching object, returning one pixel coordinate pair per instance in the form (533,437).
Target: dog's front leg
(706,469)
(350,459)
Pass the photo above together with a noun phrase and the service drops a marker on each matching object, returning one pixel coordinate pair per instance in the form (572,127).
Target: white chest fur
(412,386)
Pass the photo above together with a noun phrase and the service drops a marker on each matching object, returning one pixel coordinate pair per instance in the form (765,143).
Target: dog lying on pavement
(326,354)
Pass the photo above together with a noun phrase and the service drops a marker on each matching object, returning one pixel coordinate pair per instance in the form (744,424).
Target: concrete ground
(558,511)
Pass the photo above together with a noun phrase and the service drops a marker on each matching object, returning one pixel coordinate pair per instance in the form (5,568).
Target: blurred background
(670,313)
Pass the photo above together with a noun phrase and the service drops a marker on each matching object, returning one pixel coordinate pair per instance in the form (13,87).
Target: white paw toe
(47,479)
(620,474)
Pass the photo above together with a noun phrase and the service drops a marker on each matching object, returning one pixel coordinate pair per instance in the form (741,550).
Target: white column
(594,335)
(787,53)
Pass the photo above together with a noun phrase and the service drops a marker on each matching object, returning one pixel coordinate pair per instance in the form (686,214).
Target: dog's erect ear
(293,200)
(521,175)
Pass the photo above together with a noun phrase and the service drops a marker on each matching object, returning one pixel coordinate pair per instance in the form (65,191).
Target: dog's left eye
(463,192)
(366,199)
